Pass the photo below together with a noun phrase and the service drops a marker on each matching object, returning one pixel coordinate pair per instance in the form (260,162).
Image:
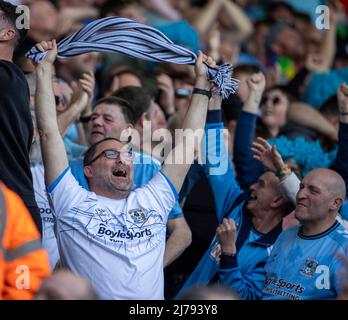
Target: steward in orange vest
(23,262)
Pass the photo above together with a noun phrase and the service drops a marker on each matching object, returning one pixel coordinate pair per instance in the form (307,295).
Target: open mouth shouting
(120,173)
(253,196)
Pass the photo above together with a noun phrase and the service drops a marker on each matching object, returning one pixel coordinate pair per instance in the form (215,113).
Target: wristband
(202,91)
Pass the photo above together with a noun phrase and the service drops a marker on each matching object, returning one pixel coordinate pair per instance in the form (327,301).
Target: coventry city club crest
(215,253)
(137,215)
(309,267)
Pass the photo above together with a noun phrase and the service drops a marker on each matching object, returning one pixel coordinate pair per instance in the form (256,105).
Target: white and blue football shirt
(145,168)
(118,245)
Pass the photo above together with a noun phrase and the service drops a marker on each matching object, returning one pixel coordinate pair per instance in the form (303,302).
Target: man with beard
(113,236)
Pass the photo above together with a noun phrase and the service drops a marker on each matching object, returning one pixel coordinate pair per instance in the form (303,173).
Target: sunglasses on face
(275,100)
(114,154)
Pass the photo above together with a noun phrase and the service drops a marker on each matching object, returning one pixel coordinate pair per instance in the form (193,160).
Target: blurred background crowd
(300,46)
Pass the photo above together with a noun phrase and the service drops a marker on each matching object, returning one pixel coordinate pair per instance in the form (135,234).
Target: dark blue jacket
(248,170)
(244,273)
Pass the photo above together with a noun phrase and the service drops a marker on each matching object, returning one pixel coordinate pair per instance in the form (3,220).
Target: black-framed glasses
(275,100)
(127,156)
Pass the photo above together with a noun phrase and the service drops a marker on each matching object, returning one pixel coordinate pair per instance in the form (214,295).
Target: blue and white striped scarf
(116,34)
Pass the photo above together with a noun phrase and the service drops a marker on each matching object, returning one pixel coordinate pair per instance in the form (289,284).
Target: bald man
(303,263)
(318,200)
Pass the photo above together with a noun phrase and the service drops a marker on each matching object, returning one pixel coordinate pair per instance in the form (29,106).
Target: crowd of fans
(259,212)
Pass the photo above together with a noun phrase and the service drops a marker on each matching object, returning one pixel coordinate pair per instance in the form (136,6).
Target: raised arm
(289,183)
(164,8)
(194,120)
(269,157)
(217,166)
(341,162)
(232,14)
(237,18)
(306,116)
(208,16)
(52,146)
(70,18)
(272,160)
(328,46)
(78,106)
(248,170)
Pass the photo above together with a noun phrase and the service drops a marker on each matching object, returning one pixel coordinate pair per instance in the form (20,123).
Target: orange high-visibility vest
(23,262)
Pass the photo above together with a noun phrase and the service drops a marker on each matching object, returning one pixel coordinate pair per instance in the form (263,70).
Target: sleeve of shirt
(247,168)
(248,285)
(144,172)
(65,192)
(193,176)
(145,168)
(176,211)
(290,186)
(159,193)
(219,172)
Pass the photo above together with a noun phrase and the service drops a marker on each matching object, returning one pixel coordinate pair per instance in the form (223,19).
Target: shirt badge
(309,267)
(216,252)
(137,215)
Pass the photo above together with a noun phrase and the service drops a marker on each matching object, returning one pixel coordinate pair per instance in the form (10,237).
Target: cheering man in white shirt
(111,235)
